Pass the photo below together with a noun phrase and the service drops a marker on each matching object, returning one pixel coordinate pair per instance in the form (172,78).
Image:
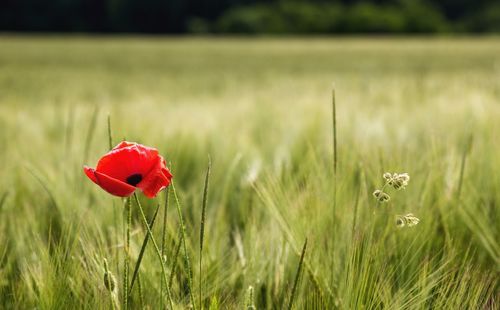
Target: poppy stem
(164,237)
(127,257)
(158,253)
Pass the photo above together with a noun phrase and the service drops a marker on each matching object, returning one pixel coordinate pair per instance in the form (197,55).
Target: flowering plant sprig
(397,181)
(408,220)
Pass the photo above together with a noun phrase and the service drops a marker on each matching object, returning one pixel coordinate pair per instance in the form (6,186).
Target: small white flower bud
(407,220)
(381,196)
(399,181)
(405,177)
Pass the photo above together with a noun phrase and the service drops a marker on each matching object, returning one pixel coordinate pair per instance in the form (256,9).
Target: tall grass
(297,276)
(158,252)
(262,109)
(202,229)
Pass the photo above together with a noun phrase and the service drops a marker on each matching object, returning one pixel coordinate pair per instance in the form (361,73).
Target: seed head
(397,180)
(387,176)
(407,220)
(381,196)
(109,281)
(249,303)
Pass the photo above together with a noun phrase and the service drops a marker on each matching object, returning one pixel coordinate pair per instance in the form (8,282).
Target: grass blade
(3,199)
(126,260)
(110,137)
(186,254)
(466,151)
(141,294)
(202,223)
(158,253)
(141,253)
(90,133)
(68,135)
(174,259)
(164,238)
(334,191)
(297,276)
(334,131)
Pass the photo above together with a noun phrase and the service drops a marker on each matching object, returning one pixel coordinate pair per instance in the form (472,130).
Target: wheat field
(261,110)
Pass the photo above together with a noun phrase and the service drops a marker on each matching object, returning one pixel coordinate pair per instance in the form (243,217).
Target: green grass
(261,108)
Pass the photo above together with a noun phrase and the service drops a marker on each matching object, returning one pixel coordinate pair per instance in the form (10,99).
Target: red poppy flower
(129,166)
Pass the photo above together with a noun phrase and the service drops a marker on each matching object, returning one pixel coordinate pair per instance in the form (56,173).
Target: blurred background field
(261,108)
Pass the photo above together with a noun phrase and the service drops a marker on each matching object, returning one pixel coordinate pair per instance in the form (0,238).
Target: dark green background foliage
(251,16)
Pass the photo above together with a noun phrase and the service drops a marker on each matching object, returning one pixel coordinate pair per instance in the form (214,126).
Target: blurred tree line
(251,16)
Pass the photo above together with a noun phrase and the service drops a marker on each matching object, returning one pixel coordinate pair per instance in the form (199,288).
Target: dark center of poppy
(134,179)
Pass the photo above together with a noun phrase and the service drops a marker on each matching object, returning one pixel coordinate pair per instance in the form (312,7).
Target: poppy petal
(157,179)
(127,159)
(129,166)
(124,144)
(113,186)
(167,173)
(90,174)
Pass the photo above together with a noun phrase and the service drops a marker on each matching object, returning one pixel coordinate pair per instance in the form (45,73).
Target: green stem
(334,191)
(90,133)
(164,239)
(141,253)
(2,200)
(127,251)
(158,253)
(174,260)
(186,255)
(202,223)
(462,166)
(297,276)
(141,295)
(110,137)
(334,133)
